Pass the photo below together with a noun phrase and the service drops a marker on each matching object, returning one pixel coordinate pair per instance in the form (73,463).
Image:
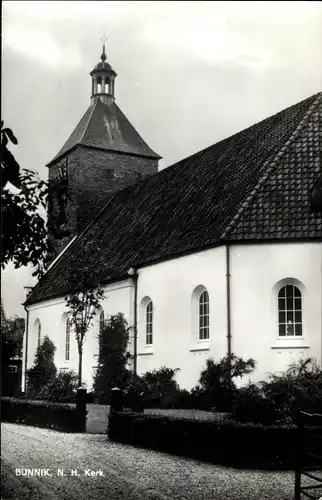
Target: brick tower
(103,154)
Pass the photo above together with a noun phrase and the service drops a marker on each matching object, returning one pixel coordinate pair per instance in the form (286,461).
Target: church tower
(103,154)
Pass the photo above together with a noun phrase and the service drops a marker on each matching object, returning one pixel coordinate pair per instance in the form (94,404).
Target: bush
(90,397)
(61,417)
(251,405)
(61,389)
(180,399)
(278,399)
(113,357)
(157,386)
(299,387)
(226,442)
(216,387)
(44,370)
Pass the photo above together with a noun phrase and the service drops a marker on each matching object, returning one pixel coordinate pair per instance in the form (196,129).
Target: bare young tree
(82,302)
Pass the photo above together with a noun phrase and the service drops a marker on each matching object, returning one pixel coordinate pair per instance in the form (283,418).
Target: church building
(219,253)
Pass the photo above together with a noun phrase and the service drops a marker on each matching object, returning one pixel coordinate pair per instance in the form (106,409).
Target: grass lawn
(194,414)
(97,417)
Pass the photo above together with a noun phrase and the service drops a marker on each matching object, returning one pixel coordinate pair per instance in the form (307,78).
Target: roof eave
(217,244)
(154,156)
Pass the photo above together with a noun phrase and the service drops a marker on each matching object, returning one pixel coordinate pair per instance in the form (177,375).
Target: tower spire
(103,56)
(103,79)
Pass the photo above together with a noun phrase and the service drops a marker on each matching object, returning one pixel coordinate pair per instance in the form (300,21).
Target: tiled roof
(317,195)
(280,205)
(104,126)
(253,186)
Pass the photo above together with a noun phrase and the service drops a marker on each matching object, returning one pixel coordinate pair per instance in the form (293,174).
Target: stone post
(81,396)
(116,400)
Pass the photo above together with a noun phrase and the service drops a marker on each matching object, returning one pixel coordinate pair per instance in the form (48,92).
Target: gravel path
(129,473)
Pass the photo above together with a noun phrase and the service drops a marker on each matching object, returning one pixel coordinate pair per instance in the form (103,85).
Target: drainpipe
(228,306)
(134,276)
(28,290)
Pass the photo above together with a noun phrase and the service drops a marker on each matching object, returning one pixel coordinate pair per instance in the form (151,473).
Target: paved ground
(97,418)
(128,473)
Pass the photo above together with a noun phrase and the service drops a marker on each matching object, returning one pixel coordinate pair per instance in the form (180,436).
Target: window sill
(202,346)
(290,343)
(146,353)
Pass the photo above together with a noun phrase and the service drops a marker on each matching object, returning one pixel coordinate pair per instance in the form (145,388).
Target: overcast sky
(189,74)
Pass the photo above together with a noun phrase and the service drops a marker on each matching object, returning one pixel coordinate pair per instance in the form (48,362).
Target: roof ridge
(88,122)
(236,134)
(270,167)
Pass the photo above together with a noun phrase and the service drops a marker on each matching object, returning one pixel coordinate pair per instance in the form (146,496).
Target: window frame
(297,294)
(67,342)
(205,327)
(149,317)
(38,326)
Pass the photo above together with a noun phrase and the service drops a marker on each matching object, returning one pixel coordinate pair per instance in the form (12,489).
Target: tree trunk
(80,366)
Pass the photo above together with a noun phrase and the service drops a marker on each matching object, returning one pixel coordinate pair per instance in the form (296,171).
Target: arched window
(149,323)
(37,330)
(67,344)
(204,316)
(39,334)
(289,311)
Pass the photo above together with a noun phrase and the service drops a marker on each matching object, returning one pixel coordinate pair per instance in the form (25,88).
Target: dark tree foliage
(23,229)
(12,339)
(44,370)
(113,356)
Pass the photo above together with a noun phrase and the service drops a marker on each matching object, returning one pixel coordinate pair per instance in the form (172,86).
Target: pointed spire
(103,77)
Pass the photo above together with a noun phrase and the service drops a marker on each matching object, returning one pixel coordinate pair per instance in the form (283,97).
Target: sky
(190,73)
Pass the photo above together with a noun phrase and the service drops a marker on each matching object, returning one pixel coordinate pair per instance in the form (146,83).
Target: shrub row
(61,417)
(226,443)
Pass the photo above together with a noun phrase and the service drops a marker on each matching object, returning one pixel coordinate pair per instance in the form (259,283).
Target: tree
(12,339)
(113,356)
(83,300)
(23,230)
(43,370)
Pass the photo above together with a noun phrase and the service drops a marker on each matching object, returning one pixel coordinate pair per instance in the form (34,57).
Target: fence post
(139,403)
(116,400)
(298,455)
(81,396)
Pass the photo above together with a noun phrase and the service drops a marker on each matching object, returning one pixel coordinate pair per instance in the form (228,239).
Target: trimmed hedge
(60,417)
(226,443)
